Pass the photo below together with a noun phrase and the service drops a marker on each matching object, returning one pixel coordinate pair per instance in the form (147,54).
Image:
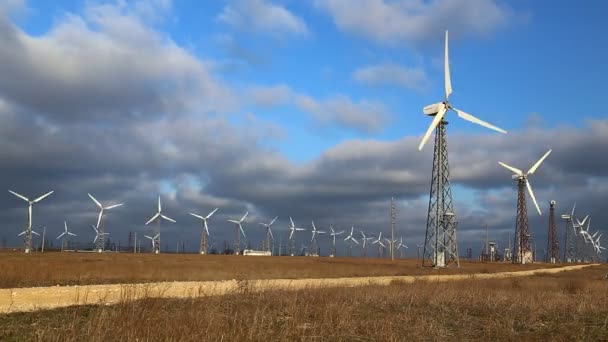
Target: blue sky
(546,60)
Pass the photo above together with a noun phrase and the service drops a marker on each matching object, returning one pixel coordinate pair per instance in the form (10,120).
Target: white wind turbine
(239,226)
(439,109)
(27,240)
(204,230)
(400,246)
(333,234)
(98,234)
(315,232)
(522,177)
(153,240)
(66,234)
(378,242)
(269,235)
(364,239)
(352,239)
(158,217)
(100,242)
(292,239)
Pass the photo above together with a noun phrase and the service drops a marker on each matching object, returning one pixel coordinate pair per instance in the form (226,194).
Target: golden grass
(554,307)
(49,269)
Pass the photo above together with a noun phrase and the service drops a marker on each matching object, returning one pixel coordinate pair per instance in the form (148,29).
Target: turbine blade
(357,242)
(274,219)
(478,121)
(20,196)
(199,216)
(43,196)
(167,218)
(448,80)
(233,221)
(572,215)
(153,218)
(159,207)
(291,234)
(512,169)
(113,206)
(270,231)
(292,224)
(60,235)
(540,161)
(95,229)
(206,227)
(532,195)
(99,218)
(211,213)
(33,232)
(149,237)
(242,231)
(72,234)
(23,232)
(95,200)
(65,224)
(436,120)
(244,216)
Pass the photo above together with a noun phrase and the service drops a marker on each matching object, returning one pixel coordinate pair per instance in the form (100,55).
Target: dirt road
(41,298)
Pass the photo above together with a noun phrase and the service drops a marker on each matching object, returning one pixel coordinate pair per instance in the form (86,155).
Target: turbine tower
(333,234)
(66,235)
(100,243)
(27,232)
(204,230)
(238,229)
(552,241)
(569,238)
(440,246)
(269,236)
(522,251)
(158,217)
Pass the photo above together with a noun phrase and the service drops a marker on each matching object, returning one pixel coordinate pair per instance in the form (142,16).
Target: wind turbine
(333,234)
(98,234)
(158,217)
(100,227)
(27,240)
(352,239)
(439,239)
(66,233)
(204,230)
(237,234)
(315,232)
(153,240)
(378,242)
(364,245)
(269,233)
(523,251)
(292,240)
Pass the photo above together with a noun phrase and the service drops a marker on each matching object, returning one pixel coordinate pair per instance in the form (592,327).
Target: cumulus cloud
(262,16)
(414,21)
(392,75)
(106,64)
(363,116)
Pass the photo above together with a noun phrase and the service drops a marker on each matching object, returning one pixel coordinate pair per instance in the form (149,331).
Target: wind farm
(272,170)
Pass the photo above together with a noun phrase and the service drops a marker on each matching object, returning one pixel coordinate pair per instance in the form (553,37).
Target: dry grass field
(49,269)
(566,306)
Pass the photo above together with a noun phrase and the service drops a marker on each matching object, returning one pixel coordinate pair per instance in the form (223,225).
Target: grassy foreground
(559,307)
(49,269)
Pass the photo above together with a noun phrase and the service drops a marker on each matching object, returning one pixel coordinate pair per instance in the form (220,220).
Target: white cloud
(413,21)
(392,74)
(262,16)
(364,116)
(270,96)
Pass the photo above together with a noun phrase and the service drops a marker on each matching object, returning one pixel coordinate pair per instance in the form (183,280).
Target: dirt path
(41,298)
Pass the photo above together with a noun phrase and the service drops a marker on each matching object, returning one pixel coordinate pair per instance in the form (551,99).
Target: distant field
(568,306)
(19,270)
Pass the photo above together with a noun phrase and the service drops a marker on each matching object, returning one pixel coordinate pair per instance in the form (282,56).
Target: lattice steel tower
(440,246)
(569,239)
(552,241)
(522,251)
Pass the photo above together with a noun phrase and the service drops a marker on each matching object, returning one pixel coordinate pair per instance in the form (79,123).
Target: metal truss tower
(100,243)
(569,240)
(237,240)
(552,241)
(440,246)
(522,251)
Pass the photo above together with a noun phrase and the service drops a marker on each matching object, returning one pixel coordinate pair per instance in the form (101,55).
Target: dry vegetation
(559,307)
(49,269)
